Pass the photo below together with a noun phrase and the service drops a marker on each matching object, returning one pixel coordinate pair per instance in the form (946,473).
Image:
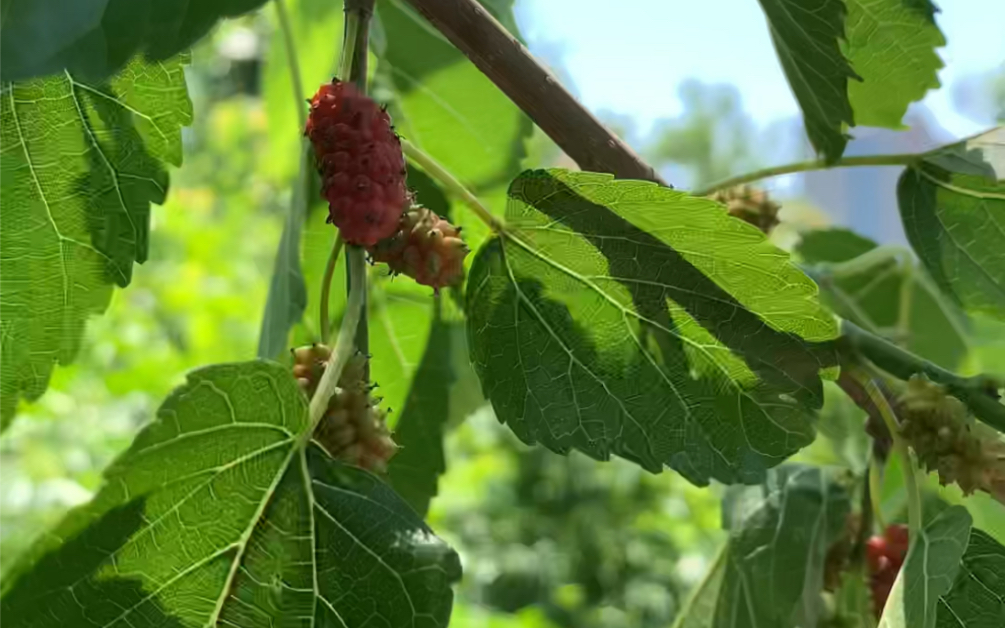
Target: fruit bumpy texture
(425,247)
(353,429)
(750,205)
(360,161)
(885,556)
(948,440)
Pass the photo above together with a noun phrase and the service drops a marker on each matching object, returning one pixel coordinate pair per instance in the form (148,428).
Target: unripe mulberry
(353,428)
(360,161)
(750,205)
(948,440)
(425,247)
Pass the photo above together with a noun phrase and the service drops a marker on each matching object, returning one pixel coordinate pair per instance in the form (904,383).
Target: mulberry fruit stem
(346,338)
(326,288)
(352,68)
(909,467)
(434,169)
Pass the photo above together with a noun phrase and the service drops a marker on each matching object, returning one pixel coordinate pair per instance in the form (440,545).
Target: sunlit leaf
(222,513)
(929,571)
(952,203)
(96,38)
(81,163)
(891,45)
(874,294)
(779,536)
(807,37)
(977,598)
(618,317)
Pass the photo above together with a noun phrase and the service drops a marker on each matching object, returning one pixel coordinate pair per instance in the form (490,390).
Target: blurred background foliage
(546,541)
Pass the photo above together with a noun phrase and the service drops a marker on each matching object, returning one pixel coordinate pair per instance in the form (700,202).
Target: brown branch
(509,65)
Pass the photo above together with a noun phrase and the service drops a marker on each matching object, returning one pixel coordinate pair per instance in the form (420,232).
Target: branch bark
(508,64)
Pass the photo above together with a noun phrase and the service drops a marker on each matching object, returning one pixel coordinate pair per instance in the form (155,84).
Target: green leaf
(618,317)
(444,104)
(888,295)
(287,298)
(807,35)
(80,164)
(929,571)
(96,38)
(952,202)
(415,469)
(779,536)
(699,610)
(891,44)
(977,598)
(222,512)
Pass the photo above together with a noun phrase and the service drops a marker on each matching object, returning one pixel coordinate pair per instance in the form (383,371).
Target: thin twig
(902,159)
(344,344)
(910,473)
(453,186)
(508,64)
(326,287)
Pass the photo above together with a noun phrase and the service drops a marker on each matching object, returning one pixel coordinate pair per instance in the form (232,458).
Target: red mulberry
(361,164)
(425,247)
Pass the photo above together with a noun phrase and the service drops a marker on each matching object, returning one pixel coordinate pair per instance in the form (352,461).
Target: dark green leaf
(889,295)
(415,469)
(618,317)
(952,203)
(444,104)
(929,571)
(977,599)
(222,513)
(778,542)
(96,38)
(81,163)
(891,44)
(807,36)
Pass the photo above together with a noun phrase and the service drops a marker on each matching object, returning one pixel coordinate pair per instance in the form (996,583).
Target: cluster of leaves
(614,318)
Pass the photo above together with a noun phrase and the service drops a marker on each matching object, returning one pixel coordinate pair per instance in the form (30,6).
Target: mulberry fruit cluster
(363,178)
(353,428)
(947,440)
(360,161)
(425,247)
(750,205)
(885,556)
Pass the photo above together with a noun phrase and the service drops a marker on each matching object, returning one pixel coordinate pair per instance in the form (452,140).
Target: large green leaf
(444,104)
(891,45)
(221,512)
(952,202)
(618,317)
(889,295)
(779,536)
(81,163)
(977,598)
(929,571)
(96,38)
(807,35)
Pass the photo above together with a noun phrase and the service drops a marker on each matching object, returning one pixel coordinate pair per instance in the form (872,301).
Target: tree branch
(979,393)
(508,64)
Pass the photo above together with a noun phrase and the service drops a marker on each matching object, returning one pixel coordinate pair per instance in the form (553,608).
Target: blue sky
(629,56)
